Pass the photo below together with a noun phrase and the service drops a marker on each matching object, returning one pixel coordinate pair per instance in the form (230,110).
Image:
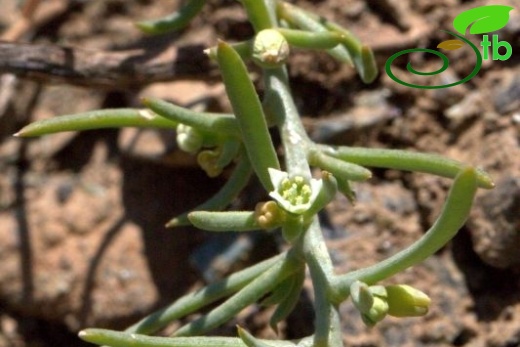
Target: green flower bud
(376,313)
(406,301)
(189,139)
(362,297)
(270,49)
(269,215)
(208,161)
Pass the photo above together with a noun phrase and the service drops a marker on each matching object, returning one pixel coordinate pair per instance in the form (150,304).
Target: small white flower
(294,194)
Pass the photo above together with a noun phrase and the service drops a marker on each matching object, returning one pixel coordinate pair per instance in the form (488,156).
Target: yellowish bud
(208,160)
(406,301)
(376,313)
(269,215)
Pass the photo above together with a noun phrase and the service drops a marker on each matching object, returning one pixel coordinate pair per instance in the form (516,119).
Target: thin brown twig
(112,69)
(32,15)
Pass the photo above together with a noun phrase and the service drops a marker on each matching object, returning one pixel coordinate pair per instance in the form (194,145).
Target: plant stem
(296,146)
(321,270)
(294,138)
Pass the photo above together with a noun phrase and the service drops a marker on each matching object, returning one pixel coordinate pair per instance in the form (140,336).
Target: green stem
(452,218)
(321,269)
(294,138)
(296,146)
(195,301)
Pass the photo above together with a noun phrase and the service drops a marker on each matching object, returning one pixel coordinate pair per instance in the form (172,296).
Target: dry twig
(115,70)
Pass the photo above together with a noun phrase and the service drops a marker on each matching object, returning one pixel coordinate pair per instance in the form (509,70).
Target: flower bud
(270,49)
(362,297)
(376,313)
(208,161)
(189,139)
(269,215)
(406,301)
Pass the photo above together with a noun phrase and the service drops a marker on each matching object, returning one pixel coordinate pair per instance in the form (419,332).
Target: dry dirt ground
(82,241)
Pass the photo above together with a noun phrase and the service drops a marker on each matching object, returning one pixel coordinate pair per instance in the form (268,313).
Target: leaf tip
(147,101)
(179,221)
(145,27)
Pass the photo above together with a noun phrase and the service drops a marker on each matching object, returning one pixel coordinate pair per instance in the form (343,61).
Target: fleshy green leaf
(175,21)
(100,119)
(483,19)
(248,112)
(224,221)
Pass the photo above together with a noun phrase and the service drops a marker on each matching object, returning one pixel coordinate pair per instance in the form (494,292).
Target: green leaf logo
(483,19)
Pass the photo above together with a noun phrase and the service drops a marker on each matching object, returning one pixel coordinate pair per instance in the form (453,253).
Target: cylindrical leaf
(405,160)
(205,296)
(342,170)
(303,20)
(289,301)
(224,221)
(309,39)
(107,118)
(123,339)
(224,124)
(453,216)
(248,112)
